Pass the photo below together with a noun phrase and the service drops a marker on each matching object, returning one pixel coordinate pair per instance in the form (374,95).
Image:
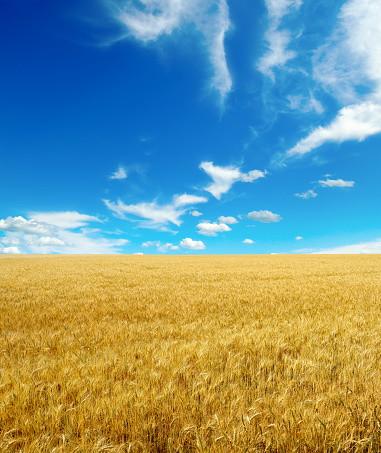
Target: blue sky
(190,127)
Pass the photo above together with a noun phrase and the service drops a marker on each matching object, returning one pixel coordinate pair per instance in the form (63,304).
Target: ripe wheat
(190,354)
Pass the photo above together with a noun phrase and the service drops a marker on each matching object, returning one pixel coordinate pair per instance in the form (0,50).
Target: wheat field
(190,353)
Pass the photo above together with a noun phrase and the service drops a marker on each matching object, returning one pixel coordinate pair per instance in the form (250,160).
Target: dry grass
(187,354)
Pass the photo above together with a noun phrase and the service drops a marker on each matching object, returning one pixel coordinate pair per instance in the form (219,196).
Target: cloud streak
(63,219)
(277,40)
(156,216)
(355,122)
(148,21)
(336,183)
(361,248)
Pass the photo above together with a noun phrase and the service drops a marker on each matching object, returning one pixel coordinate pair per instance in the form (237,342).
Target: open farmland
(190,353)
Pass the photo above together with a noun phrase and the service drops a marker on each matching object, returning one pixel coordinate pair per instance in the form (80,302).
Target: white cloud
(161,247)
(228,220)
(168,246)
(80,243)
(36,237)
(336,183)
(9,250)
(189,243)
(149,243)
(355,122)
(277,40)
(195,213)
(149,20)
(348,65)
(42,241)
(248,241)
(364,247)
(264,216)
(185,200)
(309,194)
(298,238)
(305,104)
(64,219)
(224,177)
(119,174)
(157,216)
(10,240)
(351,58)
(211,229)
(277,54)
(138,253)
(19,224)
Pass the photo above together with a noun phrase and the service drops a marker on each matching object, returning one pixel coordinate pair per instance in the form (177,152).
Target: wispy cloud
(32,240)
(148,21)
(298,238)
(306,195)
(277,40)
(264,216)
(161,247)
(212,228)
(336,183)
(362,247)
(248,241)
(63,219)
(348,66)
(224,177)
(156,216)
(195,213)
(355,122)
(189,243)
(119,174)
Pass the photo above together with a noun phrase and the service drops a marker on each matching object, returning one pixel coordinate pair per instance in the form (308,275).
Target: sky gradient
(190,127)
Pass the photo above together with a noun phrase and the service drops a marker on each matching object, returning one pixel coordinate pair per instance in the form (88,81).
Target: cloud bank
(32,236)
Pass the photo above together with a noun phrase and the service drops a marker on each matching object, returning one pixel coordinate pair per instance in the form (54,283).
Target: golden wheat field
(190,353)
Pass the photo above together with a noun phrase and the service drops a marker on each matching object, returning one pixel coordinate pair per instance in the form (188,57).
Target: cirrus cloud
(64,219)
(148,21)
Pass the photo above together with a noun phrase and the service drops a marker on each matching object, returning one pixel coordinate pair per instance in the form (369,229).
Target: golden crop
(190,354)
